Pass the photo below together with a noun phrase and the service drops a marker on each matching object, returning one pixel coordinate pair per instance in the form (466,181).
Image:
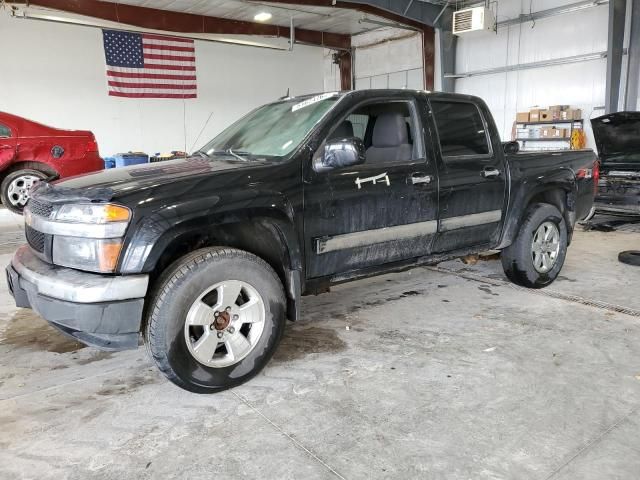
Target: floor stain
(118,386)
(298,343)
(27,329)
(95,357)
(566,279)
(487,289)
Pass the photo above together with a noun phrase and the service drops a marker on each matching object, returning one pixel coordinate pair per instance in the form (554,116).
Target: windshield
(272,131)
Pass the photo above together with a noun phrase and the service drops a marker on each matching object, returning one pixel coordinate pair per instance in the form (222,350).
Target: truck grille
(35,239)
(41,209)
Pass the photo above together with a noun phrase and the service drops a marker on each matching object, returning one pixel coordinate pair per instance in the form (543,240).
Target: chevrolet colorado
(208,256)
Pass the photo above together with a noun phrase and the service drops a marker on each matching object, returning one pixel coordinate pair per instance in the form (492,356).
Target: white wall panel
(55,74)
(388,58)
(581,85)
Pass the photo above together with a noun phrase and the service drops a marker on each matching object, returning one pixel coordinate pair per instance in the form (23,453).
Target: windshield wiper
(238,154)
(201,153)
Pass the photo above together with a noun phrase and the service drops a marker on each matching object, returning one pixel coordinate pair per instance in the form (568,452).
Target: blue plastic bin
(131,158)
(109,162)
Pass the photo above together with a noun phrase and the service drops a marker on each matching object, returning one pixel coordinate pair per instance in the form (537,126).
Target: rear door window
(5,132)
(461,130)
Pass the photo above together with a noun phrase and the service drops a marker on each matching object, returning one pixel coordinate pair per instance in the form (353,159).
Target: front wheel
(537,254)
(215,319)
(15,187)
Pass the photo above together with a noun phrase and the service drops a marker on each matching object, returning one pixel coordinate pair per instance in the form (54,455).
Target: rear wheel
(215,319)
(537,254)
(15,188)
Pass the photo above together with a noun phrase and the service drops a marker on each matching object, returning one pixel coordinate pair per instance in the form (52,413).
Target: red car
(30,152)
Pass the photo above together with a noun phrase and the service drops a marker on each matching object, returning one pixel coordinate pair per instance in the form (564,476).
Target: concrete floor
(448,373)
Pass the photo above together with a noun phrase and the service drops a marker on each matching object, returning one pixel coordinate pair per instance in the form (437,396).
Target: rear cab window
(5,132)
(462,130)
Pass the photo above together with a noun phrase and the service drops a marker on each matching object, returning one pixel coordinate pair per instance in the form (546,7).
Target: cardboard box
(553,132)
(556,114)
(522,117)
(545,116)
(534,115)
(558,108)
(571,114)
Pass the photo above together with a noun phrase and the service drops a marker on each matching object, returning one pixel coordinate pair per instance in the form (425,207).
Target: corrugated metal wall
(581,85)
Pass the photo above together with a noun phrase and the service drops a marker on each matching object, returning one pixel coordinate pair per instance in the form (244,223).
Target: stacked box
(534,114)
(131,158)
(571,114)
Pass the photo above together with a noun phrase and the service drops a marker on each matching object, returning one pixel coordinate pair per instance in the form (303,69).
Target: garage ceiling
(327,19)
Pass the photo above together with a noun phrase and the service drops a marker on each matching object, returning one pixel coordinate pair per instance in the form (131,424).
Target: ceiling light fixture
(262,17)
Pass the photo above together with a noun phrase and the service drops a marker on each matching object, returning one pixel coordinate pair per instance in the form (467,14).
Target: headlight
(87,236)
(92,213)
(91,254)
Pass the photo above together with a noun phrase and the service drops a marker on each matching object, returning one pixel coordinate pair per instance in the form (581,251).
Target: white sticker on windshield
(312,100)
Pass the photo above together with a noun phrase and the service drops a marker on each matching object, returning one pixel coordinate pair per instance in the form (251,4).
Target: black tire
(10,200)
(630,257)
(176,291)
(517,259)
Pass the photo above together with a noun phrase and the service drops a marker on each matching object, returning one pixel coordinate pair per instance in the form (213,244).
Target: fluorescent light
(262,17)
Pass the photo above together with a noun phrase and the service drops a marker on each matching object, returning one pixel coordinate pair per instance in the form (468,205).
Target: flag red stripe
(151,36)
(176,58)
(190,86)
(152,95)
(158,76)
(154,66)
(155,46)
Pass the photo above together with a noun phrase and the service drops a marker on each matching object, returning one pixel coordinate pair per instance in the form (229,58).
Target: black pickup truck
(208,256)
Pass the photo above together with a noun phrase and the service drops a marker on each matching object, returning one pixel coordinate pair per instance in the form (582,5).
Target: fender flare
(562,180)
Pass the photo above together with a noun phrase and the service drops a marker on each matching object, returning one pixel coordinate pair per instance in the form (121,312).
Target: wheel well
(556,197)
(261,238)
(562,200)
(41,167)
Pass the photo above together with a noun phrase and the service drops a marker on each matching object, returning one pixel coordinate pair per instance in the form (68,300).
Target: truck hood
(107,184)
(617,138)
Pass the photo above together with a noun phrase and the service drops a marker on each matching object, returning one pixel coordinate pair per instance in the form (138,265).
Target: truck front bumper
(99,310)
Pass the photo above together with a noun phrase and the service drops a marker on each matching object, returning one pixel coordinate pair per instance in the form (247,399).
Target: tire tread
(154,331)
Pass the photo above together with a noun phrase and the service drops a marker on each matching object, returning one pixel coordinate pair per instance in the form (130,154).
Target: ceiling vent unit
(476,19)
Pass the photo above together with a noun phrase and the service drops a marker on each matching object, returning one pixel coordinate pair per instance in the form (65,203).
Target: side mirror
(339,153)
(511,147)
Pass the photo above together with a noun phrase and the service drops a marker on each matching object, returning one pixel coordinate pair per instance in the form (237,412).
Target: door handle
(5,147)
(490,172)
(418,178)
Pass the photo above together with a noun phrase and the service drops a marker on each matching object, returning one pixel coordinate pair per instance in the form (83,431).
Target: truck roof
(378,92)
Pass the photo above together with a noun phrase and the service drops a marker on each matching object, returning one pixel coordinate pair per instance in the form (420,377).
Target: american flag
(144,65)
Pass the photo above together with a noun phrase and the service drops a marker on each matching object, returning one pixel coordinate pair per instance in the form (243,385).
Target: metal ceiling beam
(418,14)
(633,68)
(551,12)
(179,22)
(615,51)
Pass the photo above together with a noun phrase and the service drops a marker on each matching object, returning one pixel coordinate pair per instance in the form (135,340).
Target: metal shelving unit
(574,125)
